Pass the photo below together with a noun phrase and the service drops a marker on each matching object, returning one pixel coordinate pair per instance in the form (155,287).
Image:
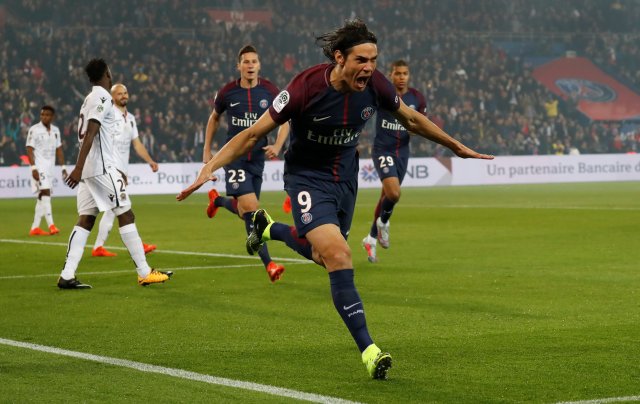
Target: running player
(244,100)
(43,146)
(328,106)
(125,136)
(391,157)
(102,186)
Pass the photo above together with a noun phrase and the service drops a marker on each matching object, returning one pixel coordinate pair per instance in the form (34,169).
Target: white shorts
(102,193)
(45,181)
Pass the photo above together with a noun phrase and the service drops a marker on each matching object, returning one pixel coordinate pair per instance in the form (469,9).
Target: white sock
(133,242)
(106,223)
(77,241)
(37,217)
(46,204)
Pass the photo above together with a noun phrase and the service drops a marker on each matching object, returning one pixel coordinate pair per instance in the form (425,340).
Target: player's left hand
(467,153)
(154,166)
(271,151)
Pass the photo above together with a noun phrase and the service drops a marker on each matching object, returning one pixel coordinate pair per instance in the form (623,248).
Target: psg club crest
(368,173)
(306,218)
(264,104)
(587,90)
(367,113)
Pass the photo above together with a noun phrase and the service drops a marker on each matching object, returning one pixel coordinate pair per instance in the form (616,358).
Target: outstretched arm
(419,124)
(236,147)
(273,150)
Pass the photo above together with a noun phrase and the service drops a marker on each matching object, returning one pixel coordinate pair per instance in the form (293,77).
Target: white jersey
(98,106)
(126,132)
(44,142)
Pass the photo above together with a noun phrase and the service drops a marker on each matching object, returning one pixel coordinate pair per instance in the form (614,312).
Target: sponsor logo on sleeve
(281,101)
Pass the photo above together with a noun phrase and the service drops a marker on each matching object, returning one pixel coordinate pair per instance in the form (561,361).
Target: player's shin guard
(77,241)
(106,223)
(289,235)
(347,301)
(133,242)
(46,209)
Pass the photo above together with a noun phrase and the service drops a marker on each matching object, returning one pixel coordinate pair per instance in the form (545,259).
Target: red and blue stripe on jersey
(391,136)
(326,124)
(243,107)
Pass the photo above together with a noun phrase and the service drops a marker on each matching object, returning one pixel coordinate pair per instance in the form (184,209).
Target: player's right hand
(74,178)
(35,174)
(203,177)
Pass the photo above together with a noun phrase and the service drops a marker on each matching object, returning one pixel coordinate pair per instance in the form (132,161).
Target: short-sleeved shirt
(98,106)
(44,142)
(391,136)
(326,124)
(243,107)
(126,131)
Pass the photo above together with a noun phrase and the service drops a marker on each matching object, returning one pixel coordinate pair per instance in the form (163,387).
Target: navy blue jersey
(244,106)
(391,136)
(326,124)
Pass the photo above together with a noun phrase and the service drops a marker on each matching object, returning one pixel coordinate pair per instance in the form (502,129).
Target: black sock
(347,301)
(386,210)
(374,229)
(263,252)
(288,234)
(230,204)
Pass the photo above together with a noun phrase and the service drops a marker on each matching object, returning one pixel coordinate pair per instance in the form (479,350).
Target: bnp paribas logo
(368,173)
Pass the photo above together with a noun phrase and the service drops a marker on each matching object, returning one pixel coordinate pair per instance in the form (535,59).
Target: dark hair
(48,108)
(95,69)
(354,32)
(399,63)
(246,49)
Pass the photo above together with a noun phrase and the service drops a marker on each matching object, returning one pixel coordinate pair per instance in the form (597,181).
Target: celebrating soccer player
(244,100)
(328,106)
(391,157)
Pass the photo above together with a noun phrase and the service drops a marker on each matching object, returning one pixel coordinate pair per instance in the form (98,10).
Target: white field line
(542,207)
(121,271)
(160,251)
(179,373)
(603,400)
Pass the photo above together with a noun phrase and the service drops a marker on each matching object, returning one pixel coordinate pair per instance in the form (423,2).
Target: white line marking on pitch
(182,374)
(203,254)
(120,271)
(603,400)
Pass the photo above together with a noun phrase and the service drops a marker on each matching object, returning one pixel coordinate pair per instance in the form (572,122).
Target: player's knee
(338,257)
(86,221)
(393,195)
(125,218)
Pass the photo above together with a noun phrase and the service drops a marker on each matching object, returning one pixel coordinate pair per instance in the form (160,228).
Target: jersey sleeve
(290,101)
(134,128)
(422,103)
(56,131)
(386,92)
(97,107)
(31,141)
(218,103)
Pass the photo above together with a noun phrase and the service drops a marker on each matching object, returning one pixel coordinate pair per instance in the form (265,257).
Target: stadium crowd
(174,57)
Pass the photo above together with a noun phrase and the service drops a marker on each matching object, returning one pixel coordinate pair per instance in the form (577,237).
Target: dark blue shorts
(243,178)
(316,202)
(388,165)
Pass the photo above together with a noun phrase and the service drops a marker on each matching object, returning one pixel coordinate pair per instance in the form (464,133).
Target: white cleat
(383,233)
(369,244)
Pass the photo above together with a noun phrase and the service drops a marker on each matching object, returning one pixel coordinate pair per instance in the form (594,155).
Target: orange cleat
(286,205)
(36,231)
(212,209)
(102,252)
(148,247)
(274,271)
(53,229)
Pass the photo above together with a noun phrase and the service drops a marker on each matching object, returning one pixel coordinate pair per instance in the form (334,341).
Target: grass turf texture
(492,294)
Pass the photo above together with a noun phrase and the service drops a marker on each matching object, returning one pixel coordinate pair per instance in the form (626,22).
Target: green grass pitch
(524,293)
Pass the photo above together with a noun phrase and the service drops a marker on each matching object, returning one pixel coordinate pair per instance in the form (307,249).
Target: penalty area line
(179,373)
(603,400)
